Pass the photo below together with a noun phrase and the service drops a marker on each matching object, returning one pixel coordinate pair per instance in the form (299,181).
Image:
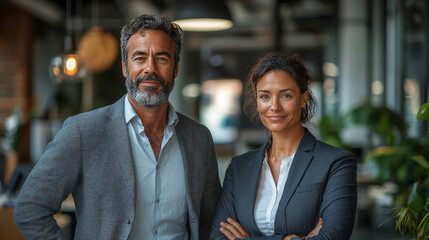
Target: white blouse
(269,195)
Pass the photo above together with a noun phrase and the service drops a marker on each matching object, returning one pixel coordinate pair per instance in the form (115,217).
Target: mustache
(153,77)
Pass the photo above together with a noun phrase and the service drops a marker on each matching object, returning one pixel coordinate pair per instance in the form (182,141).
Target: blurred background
(368,59)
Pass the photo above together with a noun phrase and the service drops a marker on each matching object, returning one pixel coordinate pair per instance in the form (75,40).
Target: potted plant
(10,143)
(405,162)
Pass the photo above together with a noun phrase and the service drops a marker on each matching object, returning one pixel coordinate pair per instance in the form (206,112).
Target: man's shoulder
(188,122)
(99,114)
(187,125)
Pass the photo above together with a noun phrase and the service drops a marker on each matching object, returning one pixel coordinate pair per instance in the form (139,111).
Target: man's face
(150,69)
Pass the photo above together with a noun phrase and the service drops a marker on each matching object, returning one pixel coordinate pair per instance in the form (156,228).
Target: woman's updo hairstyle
(279,61)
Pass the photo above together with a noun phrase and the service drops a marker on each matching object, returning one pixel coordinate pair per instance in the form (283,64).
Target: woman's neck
(285,143)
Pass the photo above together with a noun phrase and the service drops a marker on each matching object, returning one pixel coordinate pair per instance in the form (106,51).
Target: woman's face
(279,101)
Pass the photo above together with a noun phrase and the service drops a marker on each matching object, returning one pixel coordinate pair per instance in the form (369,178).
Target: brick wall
(16,55)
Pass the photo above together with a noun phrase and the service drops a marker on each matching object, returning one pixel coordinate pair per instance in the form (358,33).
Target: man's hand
(232,230)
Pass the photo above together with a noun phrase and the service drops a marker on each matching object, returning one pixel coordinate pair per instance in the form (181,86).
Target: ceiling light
(203,15)
(67,66)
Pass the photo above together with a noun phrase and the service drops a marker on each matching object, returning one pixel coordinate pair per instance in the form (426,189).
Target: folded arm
(225,210)
(339,200)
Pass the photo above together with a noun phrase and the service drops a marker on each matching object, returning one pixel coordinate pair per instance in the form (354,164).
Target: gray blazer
(91,158)
(321,183)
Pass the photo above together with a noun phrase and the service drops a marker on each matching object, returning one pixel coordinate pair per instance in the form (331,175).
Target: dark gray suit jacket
(321,183)
(91,158)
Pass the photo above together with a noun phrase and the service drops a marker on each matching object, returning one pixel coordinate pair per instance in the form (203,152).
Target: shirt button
(157,200)
(145,144)
(156,232)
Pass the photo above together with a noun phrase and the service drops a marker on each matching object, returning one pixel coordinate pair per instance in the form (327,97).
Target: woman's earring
(257,109)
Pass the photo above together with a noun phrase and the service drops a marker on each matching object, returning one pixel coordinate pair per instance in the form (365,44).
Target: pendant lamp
(67,66)
(98,48)
(203,15)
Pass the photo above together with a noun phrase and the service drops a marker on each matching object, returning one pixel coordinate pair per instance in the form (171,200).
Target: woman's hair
(152,22)
(279,61)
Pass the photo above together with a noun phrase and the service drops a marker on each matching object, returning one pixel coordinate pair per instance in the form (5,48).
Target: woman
(294,187)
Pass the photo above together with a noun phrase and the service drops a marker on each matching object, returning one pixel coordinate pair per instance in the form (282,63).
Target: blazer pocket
(311,187)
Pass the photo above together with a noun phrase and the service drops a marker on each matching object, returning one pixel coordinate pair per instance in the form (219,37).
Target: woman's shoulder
(311,143)
(323,147)
(325,153)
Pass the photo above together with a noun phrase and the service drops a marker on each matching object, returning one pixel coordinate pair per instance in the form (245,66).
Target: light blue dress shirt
(161,209)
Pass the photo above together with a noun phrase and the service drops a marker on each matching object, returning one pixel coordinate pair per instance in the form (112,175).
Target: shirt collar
(130,113)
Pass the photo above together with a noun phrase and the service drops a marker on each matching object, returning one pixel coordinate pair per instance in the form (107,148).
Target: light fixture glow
(192,90)
(377,87)
(71,66)
(204,24)
(329,86)
(67,67)
(56,70)
(330,69)
(203,15)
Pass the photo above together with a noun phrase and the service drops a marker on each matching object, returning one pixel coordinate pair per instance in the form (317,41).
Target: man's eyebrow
(137,53)
(163,53)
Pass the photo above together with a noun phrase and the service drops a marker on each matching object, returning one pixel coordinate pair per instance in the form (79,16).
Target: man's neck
(154,119)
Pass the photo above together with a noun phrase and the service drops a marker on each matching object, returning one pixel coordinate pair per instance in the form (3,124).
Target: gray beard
(149,97)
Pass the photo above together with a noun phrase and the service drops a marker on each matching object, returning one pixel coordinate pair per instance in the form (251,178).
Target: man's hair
(152,22)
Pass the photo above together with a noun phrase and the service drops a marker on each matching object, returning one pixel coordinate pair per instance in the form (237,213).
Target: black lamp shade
(203,15)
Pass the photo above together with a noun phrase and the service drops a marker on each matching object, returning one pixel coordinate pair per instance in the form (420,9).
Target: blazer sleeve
(211,193)
(338,207)
(226,208)
(48,184)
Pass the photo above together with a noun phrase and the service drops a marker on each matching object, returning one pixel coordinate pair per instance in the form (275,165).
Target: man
(136,169)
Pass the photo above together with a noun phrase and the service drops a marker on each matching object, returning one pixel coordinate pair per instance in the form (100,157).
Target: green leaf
(423,227)
(381,151)
(406,220)
(423,113)
(417,198)
(421,160)
(402,173)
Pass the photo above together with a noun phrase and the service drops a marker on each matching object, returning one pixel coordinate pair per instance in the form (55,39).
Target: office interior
(366,57)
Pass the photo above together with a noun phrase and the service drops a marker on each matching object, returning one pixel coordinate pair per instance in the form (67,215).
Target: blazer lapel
(250,177)
(302,159)
(186,145)
(117,132)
